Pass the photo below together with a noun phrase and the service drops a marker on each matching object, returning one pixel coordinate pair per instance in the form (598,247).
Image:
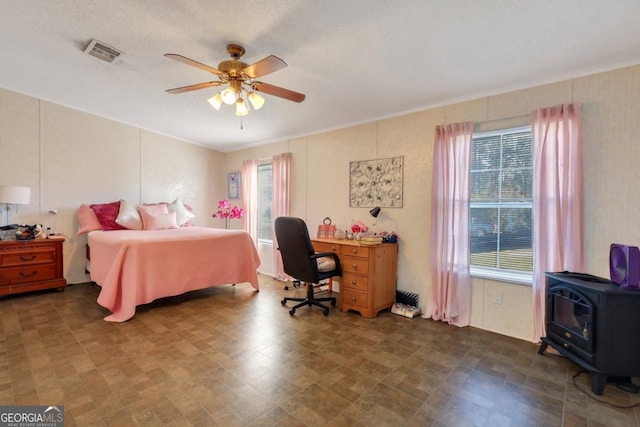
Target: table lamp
(13,195)
(374,213)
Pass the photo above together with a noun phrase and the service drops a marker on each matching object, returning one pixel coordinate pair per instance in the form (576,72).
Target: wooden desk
(368,282)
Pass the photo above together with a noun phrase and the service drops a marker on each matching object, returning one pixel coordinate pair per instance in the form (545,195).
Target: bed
(135,267)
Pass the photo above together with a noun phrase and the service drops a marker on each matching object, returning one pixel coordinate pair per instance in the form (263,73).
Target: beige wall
(68,157)
(611,123)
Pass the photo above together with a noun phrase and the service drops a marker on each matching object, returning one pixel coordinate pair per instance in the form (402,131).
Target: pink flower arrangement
(359,227)
(225,211)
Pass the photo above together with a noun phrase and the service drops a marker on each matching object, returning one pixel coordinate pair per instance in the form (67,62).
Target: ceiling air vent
(102,51)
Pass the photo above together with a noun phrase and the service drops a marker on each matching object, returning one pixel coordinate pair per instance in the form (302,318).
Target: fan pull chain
(241,126)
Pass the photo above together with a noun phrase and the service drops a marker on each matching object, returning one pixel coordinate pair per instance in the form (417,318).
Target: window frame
(263,240)
(501,274)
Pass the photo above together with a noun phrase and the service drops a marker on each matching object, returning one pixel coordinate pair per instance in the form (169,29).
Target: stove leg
(543,347)
(598,381)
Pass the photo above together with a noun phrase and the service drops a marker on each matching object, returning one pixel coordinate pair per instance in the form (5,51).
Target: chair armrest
(336,269)
(324,254)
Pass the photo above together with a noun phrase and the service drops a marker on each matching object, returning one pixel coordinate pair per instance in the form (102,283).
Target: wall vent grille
(103,51)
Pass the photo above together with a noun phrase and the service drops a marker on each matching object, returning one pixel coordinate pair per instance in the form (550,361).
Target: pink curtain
(250,198)
(558,217)
(281,165)
(450,299)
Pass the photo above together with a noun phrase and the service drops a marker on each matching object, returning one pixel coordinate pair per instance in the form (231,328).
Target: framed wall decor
(376,183)
(233,185)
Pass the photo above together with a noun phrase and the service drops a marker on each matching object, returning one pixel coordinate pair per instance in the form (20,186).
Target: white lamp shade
(14,195)
(241,107)
(256,100)
(228,96)
(215,101)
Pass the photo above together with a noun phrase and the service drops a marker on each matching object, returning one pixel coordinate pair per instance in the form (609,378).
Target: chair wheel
(292,312)
(283,302)
(333,303)
(286,288)
(326,312)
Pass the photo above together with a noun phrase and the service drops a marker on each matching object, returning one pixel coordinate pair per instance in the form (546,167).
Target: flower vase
(226,223)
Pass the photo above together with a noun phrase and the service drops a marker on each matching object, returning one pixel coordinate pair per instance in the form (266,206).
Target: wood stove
(592,321)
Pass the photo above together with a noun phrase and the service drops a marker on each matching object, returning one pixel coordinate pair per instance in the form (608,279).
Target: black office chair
(302,263)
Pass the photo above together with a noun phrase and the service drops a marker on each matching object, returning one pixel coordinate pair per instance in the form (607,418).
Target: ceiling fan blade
(278,91)
(264,66)
(194,87)
(193,63)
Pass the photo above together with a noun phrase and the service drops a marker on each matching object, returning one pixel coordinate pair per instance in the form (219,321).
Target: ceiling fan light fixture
(215,101)
(256,100)
(228,96)
(236,73)
(241,108)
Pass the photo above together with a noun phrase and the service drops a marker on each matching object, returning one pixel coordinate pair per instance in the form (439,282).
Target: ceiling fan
(239,76)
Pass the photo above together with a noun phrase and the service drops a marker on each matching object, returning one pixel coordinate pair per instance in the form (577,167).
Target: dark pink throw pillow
(107,214)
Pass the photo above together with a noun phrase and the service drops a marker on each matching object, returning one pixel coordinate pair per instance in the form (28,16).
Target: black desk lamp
(374,213)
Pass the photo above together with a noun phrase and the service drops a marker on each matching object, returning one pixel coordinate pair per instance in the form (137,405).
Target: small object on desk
(26,232)
(326,229)
(8,232)
(390,238)
(370,239)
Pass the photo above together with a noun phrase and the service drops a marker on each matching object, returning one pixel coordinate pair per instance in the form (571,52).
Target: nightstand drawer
(354,282)
(36,256)
(355,265)
(27,273)
(354,299)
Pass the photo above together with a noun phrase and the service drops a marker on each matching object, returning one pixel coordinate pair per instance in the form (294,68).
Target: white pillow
(128,216)
(183,215)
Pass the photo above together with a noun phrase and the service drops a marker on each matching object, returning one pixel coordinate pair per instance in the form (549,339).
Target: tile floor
(230,356)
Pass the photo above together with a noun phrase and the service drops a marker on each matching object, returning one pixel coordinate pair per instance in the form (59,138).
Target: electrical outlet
(497,298)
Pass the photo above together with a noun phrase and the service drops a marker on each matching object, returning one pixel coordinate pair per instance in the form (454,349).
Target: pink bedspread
(137,267)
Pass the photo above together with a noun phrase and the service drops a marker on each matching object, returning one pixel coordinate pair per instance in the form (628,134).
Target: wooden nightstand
(31,265)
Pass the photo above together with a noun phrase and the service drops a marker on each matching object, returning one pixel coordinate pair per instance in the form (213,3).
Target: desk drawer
(35,256)
(326,247)
(354,282)
(27,273)
(354,299)
(355,251)
(355,265)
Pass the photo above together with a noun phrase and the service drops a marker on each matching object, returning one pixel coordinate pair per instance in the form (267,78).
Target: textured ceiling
(356,60)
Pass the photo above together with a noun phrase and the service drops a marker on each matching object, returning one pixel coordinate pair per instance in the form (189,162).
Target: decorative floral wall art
(376,183)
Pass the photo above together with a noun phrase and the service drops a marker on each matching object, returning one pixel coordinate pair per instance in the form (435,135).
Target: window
(500,217)
(265,201)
